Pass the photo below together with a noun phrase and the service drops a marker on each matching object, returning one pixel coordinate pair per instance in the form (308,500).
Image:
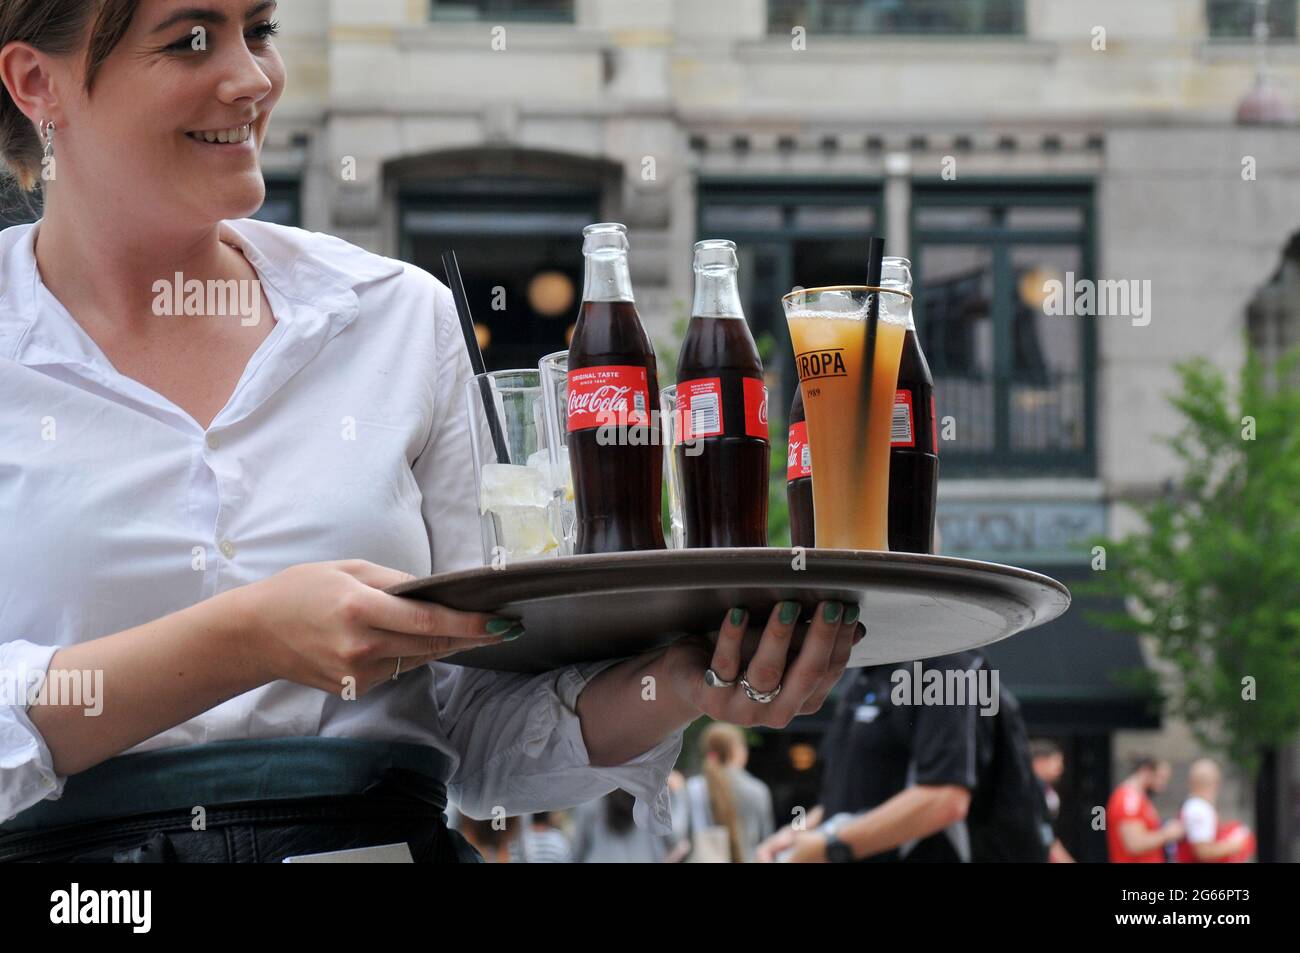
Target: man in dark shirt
(899,775)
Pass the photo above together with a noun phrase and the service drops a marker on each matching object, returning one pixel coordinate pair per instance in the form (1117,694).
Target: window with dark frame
(789,233)
(538,11)
(1016,376)
(899,17)
(518,244)
(1235,19)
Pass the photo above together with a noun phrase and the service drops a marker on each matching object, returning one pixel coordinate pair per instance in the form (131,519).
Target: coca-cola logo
(762,409)
(606,398)
(793,454)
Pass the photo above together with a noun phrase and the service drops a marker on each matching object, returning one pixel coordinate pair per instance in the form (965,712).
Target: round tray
(586,608)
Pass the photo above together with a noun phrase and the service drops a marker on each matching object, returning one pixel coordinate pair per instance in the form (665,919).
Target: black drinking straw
(875,268)
(476,364)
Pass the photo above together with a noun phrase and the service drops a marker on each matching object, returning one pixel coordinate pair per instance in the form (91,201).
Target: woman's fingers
(766,668)
(381,670)
(382,644)
(839,659)
(813,660)
(726,653)
(380,610)
(371,608)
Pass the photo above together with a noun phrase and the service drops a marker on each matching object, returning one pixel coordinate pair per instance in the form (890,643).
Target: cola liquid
(913,454)
(798,476)
(614,450)
(725,453)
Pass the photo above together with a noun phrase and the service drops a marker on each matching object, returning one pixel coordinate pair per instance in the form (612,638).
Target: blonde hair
(723,741)
(59,28)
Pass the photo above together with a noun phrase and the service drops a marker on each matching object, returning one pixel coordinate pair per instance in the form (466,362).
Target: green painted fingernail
(789,612)
(832,611)
(499,625)
(737,615)
(513,634)
(851,614)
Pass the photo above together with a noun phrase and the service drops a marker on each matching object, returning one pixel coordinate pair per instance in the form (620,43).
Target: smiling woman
(206,507)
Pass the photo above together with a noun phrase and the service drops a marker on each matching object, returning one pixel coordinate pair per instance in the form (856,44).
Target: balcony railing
(1045,428)
(899,17)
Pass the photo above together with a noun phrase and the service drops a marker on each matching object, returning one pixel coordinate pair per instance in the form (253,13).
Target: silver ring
(398,670)
(763,698)
(713,680)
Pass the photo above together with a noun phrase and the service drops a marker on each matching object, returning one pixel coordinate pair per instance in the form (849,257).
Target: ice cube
(505,484)
(525,531)
(558,476)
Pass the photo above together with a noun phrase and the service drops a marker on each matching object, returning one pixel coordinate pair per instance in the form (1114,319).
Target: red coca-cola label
(610,395)
(798,461)
(699,404)
(902,429)
(755,408)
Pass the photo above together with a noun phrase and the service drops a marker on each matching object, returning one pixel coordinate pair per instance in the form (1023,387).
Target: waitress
(201,506)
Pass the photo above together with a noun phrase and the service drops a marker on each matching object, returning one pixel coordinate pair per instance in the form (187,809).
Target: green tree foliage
(1214,579)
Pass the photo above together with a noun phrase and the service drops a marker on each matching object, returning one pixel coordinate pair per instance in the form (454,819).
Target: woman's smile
(236,142)
(234,136)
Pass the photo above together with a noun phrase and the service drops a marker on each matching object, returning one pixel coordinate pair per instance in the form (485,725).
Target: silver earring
(49,140)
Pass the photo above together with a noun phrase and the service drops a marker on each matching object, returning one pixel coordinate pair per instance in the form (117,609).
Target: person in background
(1200,817)
(899,779)
(725,797)
(541,840)
(604,833)
(1134,834)
(1049,766)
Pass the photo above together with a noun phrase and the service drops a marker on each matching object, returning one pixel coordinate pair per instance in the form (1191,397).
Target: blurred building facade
(999,144)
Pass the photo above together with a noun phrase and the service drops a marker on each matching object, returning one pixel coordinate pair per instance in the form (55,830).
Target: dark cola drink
(914,441)
(613,385)
(798,477)
(724,454)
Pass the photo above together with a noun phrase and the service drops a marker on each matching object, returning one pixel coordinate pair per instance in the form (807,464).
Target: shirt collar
(317,274)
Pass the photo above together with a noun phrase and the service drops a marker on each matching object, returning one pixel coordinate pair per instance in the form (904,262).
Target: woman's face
(181,71)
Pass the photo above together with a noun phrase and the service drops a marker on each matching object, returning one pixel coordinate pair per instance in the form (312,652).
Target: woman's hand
(793,687)
(319,624)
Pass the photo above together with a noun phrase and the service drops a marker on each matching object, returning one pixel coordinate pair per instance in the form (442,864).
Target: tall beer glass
(848,381)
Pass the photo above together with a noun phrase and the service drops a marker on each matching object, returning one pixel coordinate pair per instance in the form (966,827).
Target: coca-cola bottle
(725,453)
(614,449)
(798,477)
(914,441)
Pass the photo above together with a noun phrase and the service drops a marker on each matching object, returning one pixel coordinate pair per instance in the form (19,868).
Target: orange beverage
(848,416)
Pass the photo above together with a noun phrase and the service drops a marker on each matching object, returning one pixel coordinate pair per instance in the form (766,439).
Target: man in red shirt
(1134,834)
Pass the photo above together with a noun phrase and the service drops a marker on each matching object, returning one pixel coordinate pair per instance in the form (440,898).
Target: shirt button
(228,549)
(213,441)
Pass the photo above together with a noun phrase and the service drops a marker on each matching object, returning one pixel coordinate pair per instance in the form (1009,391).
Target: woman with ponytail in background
(729,810)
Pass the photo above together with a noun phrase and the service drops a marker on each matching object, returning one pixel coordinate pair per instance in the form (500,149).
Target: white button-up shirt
(346,437)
